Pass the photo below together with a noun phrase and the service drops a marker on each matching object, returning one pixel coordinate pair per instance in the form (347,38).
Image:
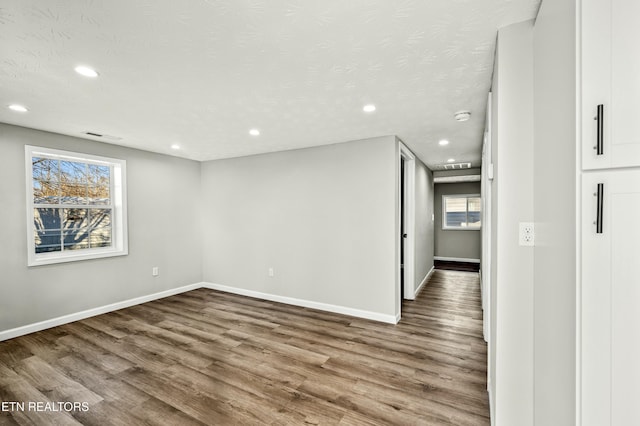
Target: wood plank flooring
(213,358)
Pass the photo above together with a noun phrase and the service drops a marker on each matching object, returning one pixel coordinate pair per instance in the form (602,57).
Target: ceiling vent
(456,166)
(101,136)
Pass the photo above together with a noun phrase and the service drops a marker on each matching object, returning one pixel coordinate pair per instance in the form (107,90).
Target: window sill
(98,254)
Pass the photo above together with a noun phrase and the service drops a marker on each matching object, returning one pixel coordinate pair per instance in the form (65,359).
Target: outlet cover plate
(527,234)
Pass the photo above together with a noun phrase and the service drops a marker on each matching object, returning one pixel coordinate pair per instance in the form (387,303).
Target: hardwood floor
(207,357)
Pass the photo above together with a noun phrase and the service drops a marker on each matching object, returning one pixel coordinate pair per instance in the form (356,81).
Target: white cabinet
(611,298)
(610,73)
(610,258)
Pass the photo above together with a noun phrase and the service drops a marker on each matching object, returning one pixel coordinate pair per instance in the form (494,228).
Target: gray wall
(511,343)
(424,226)
(453,243)
(324,218)
(555,213)
(164,231)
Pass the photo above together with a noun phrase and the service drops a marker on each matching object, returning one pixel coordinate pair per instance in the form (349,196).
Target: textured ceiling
(201,73)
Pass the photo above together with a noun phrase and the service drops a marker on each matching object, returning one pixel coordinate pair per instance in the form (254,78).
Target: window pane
(75,219)
(45,169)
(455,212)
(76,239)
(100,218)
(46,219)
(473,216)
(47,241)
(73,173)
(99,195)
(99,175)
(46,192)
(72,193)
(47,230)
(73,180)
(100,237)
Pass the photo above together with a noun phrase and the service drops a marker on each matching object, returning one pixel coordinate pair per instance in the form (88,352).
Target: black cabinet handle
(600,131)
(600,208)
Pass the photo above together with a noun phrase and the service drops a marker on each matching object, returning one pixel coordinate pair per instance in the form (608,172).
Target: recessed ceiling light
(444,142)
(86,71)
(462,115)
(254,132)
(18,108)
(451,160)
(369,108)
(175,146)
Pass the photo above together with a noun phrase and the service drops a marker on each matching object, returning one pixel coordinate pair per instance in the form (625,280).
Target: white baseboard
(390,319)
(424,281)
(65,319)
(456,259)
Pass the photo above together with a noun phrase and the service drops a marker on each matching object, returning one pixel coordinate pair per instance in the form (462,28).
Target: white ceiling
(201,73)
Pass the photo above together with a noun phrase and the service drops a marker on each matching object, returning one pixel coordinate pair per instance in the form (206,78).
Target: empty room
(291,212)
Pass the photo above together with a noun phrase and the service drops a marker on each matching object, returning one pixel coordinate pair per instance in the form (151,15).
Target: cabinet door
(610,71)
(610,310)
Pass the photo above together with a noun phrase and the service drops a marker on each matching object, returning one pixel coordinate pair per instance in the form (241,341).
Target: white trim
(456,259)
(390,319)
(491,405)
(424,281)
(65,319)
(578,144)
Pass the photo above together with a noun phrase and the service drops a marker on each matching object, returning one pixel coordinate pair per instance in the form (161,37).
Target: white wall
(555,213)
(512,202)
(323,218)
(164,231)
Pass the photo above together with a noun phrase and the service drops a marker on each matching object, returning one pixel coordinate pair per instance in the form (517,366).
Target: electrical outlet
(527,235)
(154,271)
(271,273)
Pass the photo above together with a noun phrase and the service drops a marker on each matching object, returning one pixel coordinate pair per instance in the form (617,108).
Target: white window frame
(444,213)
(119,240)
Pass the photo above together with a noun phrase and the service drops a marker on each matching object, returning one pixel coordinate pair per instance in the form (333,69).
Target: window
(76,206)
(461,212)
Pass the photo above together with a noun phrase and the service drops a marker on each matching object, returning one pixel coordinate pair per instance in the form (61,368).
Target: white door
(610,83)
(610,298)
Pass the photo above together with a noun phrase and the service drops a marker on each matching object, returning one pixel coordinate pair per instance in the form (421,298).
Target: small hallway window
(461,212)
(76,206)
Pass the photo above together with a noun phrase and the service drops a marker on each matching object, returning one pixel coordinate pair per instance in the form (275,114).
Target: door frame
(485,190)
(408,211)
